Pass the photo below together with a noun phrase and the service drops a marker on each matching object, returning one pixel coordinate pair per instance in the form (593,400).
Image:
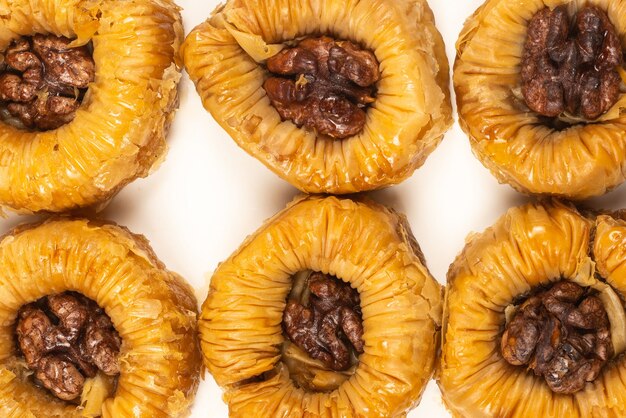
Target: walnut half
(44,80)
(571,66)
(324,85)
(562,334)
(328,325)
(65,338)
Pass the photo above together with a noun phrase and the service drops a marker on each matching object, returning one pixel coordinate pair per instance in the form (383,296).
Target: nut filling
(325,320)
(324,85)
(66,338)
(43,80)
(562,334)
(571,66)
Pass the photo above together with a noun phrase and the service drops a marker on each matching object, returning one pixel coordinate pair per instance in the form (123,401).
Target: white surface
(209,195)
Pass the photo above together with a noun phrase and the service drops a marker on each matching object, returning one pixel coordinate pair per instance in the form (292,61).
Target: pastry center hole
(562,334)
(43,80)
(324,85)
(67,339)
(570,65)
(323,329)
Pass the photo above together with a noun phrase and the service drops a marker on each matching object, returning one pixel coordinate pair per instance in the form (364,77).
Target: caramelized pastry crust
(258,314)
(134,323)
(540,93)
(73,135)
(324,130)
(534,322)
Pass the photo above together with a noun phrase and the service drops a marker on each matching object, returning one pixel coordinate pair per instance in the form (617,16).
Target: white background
(209,195)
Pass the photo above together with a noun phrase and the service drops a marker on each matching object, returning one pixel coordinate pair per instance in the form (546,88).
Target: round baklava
(534,322)
(92,324)
(540,92)
(87,93)
(333,96)
(328,310)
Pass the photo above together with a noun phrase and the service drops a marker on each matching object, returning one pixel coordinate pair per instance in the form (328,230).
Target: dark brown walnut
(324,85)
(571,65)
(43,80)
(328,324)
(562,334)
(66,338)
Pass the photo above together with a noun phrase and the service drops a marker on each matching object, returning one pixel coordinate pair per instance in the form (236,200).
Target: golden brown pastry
(103,329)
(333,96)
(534,317)
(540,93)
(328,310)
(87,93)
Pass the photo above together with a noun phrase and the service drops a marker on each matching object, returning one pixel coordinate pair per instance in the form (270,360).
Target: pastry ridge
(579,162)
(360,242)
(404,125)
(153,310)
(530,246)
(119,131)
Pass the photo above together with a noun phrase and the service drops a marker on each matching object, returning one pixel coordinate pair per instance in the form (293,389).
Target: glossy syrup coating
(355,140)
(117,134)
(152,309)
(370,250)
(566,60)
(534,318)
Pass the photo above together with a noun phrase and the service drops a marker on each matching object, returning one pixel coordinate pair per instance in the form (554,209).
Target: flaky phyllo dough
(153,310)
(361,243)
(531,246)
(118,133)
(225,58)
(586,159)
